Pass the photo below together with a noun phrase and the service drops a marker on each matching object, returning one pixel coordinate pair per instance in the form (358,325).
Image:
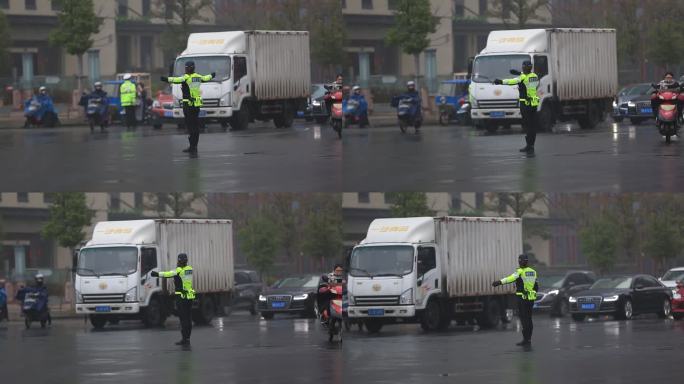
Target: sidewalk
(57,311)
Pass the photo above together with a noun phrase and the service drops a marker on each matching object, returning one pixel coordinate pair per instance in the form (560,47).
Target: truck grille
(368,301)
(497,104)
(103,298)
(210,102)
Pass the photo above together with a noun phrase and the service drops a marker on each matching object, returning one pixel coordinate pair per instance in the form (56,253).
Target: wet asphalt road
(243,349)
(306,157)
(611,158)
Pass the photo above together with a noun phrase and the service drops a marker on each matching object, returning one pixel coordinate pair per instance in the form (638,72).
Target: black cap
(527,63)
(190,64)
(523,257)
(182,257)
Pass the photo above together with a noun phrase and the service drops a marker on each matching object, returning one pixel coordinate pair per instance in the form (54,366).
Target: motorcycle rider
(667,83)
(362,111)
(324,294)
(40,288)
(4,313)
(413,94)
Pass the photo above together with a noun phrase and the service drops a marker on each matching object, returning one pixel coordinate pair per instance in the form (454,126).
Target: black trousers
(184,307)
(529,123)
(525,314)
(192,123)
(130,116)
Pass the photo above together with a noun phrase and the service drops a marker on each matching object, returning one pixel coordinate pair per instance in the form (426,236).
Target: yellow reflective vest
(190,85)
(128,94)
(182,277)
(525,280)
(527,85)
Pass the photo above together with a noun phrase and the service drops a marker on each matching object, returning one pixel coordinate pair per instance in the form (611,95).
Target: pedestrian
(192,101)
(527,83)
(526,287)
(182,280)
(128,96)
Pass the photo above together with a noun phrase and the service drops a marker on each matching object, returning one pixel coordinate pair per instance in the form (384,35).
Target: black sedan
(555,289)
(295,294)
(316,108)
(634,103)
(622,297)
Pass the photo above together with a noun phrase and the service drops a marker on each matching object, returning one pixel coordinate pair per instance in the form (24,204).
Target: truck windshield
(205,65)
(488,68)
(109,261)
(389,260)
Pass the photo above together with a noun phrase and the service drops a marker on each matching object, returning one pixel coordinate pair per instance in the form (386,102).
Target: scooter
(336,311)
(35,308)
(3,304)
(463,114)
(355,113)
(97,113)
(407,113)
(335,99)
(38,114)
(668,116)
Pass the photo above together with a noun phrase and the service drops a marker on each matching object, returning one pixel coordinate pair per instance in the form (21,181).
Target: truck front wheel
(373,325)
(433,318)
(152,315)
(240,119)
(545,119)
(98,321)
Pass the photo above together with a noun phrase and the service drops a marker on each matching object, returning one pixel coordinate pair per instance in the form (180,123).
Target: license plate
(278,304)
(168,113)
(203,113)
(376,312)
(497,114)
(588,306)
(646,111)
(103,308)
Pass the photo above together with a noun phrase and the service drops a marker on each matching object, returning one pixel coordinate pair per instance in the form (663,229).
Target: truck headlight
(611,298)
(300,297)
(262,298)
(614,104)
(132,295)
(79,298)
(406,298)
(223,102)
(572,299)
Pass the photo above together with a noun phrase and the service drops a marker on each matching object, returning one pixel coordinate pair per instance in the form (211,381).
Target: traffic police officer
(128,94)
(527,83)
(182,280)
(192,100)
(526,286)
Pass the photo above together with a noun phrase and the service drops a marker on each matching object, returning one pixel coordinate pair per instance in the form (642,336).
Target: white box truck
(577,69)
(260,75)
(112,276)
(433,271)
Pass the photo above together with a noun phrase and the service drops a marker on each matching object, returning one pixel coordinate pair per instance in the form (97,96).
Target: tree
(522,205)
(5,41)
(69,214)
(259,240)
(663,236)
(328,34)
(322,232)
(408,204)
(176,203)
(179,16)
(77,23)
(414,23)
(519,12)
(598,243)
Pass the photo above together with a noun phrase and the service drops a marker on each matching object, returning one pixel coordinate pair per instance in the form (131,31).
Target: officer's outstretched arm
(514,81)
(176,80)
(510,279)
(206,78)
(168,274)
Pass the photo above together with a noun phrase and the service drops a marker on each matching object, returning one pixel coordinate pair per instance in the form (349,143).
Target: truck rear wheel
(491,314)
(98,321)
(373,325)
(206,311)
(152,315)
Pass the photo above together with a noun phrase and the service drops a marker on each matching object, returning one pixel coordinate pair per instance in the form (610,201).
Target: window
(344,4)
(146,8)
(115,201)
(138,200)
(541,66)
(254,277)
(459,8)
(392,5)
(650,282)
(367,4)
(239,68)
(48,198)
(22,197)
(56,5)
(4,4)
(483,8)
(427,260)
(241,278)
(148,260)
(364,197)
(123,53)
(123,8)
(30,4)
(146,50)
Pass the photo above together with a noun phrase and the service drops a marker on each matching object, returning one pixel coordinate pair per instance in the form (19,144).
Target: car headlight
(572,299)
(554,292)
(156,104)
(262,298)
(406,298)
(614,104)
(303,296)
(676,294)
(611,298)
(316,103)
(631,104)
(132,295)
(79,298)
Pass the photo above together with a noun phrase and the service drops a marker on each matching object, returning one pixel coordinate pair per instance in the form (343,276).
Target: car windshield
(640,89)
(298,282)
(205,65)
(673,275)
(386,260)
(614,282)
(317,91)
(550,281)
(111,89)
(488,68)
(107,261)
(447,89)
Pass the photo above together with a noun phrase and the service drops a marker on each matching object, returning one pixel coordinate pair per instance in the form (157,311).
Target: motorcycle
(463,114)
(35,308)
(3,304)
(39,114)
(97,113)
(408,113)
(355,112)
(335,98)
(336,311)
(668,114)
